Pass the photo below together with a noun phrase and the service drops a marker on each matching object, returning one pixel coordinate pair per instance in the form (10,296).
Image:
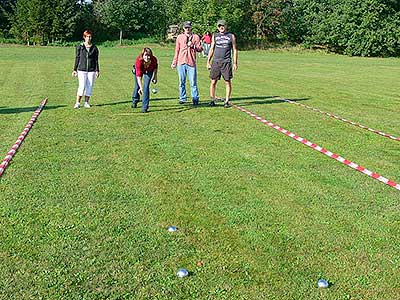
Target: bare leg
(78,101)
(212,88)
(87,98)
(228,89)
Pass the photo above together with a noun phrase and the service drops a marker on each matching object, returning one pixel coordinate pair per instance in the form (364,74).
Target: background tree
(64,18)
(123,15)
(22,27)
(6,9)
(352,27)
(365,28)
(170,10)
(205,14)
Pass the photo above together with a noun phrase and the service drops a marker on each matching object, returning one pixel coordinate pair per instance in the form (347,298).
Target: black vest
(223,47)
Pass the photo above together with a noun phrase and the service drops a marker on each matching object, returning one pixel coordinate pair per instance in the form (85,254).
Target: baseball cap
(221,22)
(187,24)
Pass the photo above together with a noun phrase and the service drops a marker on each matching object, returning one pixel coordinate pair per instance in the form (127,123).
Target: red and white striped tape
(322,150)
(344,120)
(21,138)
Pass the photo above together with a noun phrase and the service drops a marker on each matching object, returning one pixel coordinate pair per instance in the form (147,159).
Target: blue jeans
(146,91)
(191,72)
(206,49)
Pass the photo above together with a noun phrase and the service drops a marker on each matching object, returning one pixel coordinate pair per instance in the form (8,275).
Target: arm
(155,71)
(97,63)
(155,75)
(77,58)
(197,45)
(139,74)
(177,49)
(235,53)
(211,53)
(139,82)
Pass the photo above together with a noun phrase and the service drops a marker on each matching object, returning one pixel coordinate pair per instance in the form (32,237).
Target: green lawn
(86,201)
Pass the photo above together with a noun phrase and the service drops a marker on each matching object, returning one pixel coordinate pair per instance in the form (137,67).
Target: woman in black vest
(86,68)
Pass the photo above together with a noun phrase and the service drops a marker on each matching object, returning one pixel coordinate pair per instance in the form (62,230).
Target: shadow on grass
(257,100)
(17,110)
(130,101)
(242,101)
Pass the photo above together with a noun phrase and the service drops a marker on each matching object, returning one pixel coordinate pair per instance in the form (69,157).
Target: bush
(352,27)
(140,41)
(11,41)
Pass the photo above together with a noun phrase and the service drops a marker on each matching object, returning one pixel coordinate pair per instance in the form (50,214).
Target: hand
(189,44)
(235,67)
(97,74)
(140,91)
(208,66)
(173,66)
(154,80)
(74,73)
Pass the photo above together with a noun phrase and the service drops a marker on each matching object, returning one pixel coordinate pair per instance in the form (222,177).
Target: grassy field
(86,201)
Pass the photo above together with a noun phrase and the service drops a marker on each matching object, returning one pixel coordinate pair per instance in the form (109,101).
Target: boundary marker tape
(322,150)
(343,119)
(21,137)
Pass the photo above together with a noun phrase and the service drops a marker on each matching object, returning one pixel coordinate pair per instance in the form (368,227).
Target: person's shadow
(17,110)
(129,101)
(241,101)
(257,100)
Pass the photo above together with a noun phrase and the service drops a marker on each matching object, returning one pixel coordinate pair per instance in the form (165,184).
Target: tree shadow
(17,110)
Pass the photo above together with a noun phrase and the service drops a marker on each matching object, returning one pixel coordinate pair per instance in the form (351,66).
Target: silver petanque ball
(322,283)
(182,273)
(172,228)
(154,91)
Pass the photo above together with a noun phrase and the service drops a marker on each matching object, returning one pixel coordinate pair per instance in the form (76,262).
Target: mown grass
(86,201)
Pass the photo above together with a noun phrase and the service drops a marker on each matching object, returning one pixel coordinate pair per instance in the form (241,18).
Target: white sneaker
(77,105)
(87,105)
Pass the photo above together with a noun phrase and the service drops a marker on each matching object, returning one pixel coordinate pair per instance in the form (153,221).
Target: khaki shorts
(221,68)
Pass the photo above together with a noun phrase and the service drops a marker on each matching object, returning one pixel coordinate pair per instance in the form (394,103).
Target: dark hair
(146,50)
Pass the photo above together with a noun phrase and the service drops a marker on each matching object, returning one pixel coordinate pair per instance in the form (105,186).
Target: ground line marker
(322,150)
(343,119)
(21,137)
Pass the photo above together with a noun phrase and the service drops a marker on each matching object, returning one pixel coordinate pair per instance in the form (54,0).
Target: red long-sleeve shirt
(142,68)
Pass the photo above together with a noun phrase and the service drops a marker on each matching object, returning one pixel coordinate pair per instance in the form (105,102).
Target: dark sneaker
(195,102)
(212,103)
(227,105)
(134,104)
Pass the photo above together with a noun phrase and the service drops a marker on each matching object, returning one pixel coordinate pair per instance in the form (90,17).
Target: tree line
(352,27)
